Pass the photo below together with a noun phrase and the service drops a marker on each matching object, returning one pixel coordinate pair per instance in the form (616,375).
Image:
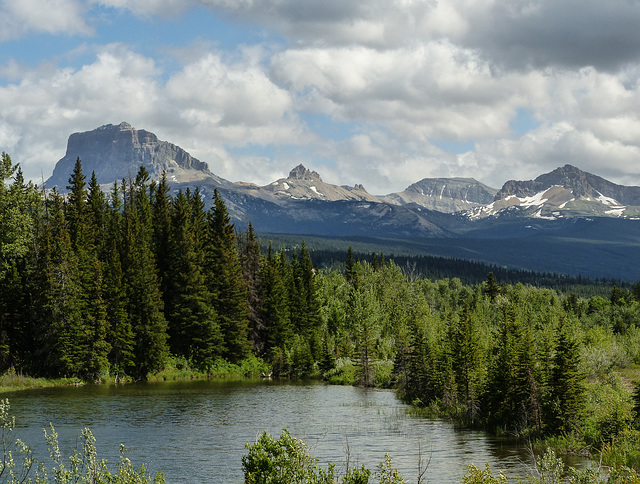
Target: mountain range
(580,222)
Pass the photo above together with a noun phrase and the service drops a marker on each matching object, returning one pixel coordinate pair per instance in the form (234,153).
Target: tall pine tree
(225,282)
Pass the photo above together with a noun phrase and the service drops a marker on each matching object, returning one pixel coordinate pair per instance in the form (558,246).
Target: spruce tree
(225,282)
(120,336)
(193,327)
(161,201)
(306,299)
(251,259)
(274,303)
(567,390)
(146,308)
(62,347)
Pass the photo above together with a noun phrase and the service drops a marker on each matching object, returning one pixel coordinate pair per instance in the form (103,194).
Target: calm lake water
(195,431)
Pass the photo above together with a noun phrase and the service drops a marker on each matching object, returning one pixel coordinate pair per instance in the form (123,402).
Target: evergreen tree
(274,303)
(306,301)
(193,326)
(466,358)
(146,309)
(121,336)
(97,215)
(225,282)
(567,388)
(350,272)
(161,201)
(251,259)
(491,287)
(62,346)
(76,207)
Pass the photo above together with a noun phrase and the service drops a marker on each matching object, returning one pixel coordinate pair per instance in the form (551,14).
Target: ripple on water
(196,431)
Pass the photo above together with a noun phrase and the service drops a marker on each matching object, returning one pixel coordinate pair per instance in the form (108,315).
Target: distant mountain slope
(567,220)
(565,192)
(114,152)
(303,184)
(445,194)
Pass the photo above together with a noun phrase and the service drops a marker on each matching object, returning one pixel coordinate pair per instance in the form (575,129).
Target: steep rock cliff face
(117,151)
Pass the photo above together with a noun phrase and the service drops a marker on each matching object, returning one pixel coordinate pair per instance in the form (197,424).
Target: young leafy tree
(20,205)
(15,218)
(225,282)
(364,317)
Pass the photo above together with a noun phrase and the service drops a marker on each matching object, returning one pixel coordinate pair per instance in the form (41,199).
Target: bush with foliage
(286,460)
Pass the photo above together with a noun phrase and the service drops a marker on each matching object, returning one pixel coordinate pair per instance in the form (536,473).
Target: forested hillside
(92,286)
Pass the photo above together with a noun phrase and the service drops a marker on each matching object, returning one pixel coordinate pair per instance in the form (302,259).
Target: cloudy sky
(382,92)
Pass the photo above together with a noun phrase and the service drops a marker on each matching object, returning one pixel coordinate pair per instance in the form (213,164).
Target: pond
(195,431)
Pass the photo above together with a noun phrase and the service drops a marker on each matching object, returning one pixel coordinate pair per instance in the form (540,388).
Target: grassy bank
(175,369)
(180,369)
(12,381)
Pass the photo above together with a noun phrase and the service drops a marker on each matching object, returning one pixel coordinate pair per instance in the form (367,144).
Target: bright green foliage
(386,474)
(483,476)
(287,460)
(608,411)
(550,469)
(15,219)
(364,317)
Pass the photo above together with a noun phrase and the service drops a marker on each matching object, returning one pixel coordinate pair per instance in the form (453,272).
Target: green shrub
(344,373)
(609,411)
(286,460)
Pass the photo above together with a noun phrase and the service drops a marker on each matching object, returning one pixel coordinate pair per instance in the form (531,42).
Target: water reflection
(196,431)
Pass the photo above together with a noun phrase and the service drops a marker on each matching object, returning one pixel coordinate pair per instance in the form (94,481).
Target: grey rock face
(445,194)
(114,152)
(581,183)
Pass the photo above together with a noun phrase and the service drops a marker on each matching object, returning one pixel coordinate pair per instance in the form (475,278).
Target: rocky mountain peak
(114,151)
(300,172)
(445,194)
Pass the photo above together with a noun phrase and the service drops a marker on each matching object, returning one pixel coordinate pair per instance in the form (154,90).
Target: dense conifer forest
(94,286)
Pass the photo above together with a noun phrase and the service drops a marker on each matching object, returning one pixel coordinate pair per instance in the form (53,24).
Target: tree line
(93,286)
